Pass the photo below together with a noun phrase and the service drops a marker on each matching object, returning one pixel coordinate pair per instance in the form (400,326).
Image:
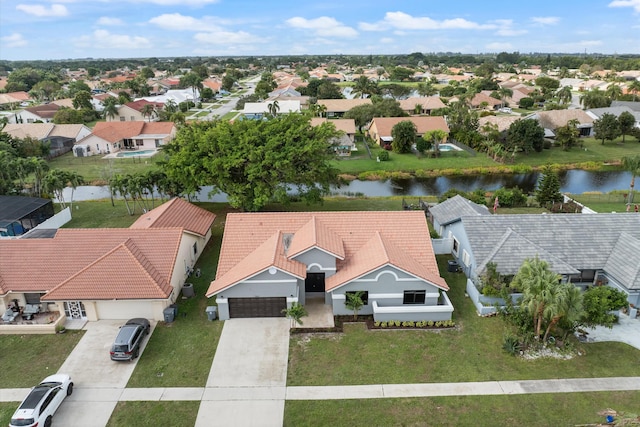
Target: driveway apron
(98,381)
(247,381)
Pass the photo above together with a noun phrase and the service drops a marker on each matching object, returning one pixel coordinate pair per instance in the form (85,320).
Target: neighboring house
(14,98)
(108,137)
(426,105)
(132,112)
(60,138)
(344,144)
(20,214)
(337,107)
(258,110)
(451,211)
(583,249)
(484,101)
(502,122)
(635,106)
(381,127)
(597,113)
(43,113)
(117,273)
(175,95)
(553,119)
(268,261)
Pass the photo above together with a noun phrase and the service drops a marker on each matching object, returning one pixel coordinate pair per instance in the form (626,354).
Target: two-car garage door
(257,307)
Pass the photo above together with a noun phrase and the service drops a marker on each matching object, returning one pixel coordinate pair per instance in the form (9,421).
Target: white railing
(413,312)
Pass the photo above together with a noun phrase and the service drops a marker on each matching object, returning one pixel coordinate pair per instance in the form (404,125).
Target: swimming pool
(141,153)
(448,147)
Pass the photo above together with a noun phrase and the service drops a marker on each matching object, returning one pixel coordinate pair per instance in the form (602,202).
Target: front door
(314,282)
(74,310)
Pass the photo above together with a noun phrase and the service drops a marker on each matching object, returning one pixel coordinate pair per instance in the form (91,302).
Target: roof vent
(286,241)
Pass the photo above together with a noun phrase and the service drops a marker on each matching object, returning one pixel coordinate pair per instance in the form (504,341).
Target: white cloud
(14,40)
(196,3)
(386,40)
(42,11)
(545,20)
(404,21)
(505,28)
(323,27)
(635,4)
(103,39)
(498,46)
(221,37)
(105,20)
(178,22)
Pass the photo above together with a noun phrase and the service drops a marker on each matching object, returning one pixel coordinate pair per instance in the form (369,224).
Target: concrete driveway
(627,330)
(98,381)
(247,381)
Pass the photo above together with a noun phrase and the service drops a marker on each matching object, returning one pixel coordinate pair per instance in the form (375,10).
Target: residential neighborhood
(265,215)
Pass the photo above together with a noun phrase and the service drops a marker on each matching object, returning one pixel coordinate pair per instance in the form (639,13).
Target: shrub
(383,156)
(377,324)
(383,324)
(430,323)
(511,345)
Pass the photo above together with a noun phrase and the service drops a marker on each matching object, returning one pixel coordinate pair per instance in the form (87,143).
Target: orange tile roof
(116,131)
(314,234)
(92,263)
(250,239)
(177,212)
(343,105)
(384,125)
(427,103)
(347,126)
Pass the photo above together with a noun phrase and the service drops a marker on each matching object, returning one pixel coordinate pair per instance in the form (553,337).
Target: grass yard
(100,213)
(96,171)
(532,410)
(151,414)
(28,359)
(470,352)
(614,201)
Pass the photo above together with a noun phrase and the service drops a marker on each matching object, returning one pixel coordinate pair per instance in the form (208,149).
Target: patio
(43,322)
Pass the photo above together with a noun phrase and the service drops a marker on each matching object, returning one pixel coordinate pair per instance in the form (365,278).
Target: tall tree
(565,308)
(148,111)
(193,81)
(525,135)
(567,136)
(435,138)
(254,162)
(606,127)
(634,88)
(504,93)
(631,164)
(548,191)
(82,100)
(110,109)
(626,123)
(404,135)
(594,99)
(613,91)
(564,94)
(538,285)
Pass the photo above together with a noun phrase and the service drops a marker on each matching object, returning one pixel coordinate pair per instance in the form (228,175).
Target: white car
(42,402)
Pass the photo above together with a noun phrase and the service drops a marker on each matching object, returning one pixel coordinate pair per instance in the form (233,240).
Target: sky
(67,29)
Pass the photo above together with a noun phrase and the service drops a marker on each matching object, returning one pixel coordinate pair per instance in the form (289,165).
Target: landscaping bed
(370,324)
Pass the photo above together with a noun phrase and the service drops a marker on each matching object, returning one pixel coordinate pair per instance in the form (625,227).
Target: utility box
(188,291)
(212,312)
(169,314)
(453,266)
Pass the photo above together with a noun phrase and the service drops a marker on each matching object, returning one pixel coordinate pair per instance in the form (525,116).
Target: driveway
(247,381)
(627,330)
(98,381)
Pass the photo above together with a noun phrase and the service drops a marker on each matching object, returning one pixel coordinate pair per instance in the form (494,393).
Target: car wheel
(47,422)
(148,330)
(136,353)
(69,389)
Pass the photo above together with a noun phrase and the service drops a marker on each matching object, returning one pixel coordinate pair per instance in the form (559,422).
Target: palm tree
(614,91)
(426,89)
(353,301)
(631,164)
(537,284)
(504,92)
(564,94)
(634,88)
(148,110)
(110,107)
(363,86)
(273,108)
(566,306)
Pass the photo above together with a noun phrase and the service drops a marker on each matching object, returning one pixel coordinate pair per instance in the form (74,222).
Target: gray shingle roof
(616,111)
(624,262)
(580,240)
(451,210)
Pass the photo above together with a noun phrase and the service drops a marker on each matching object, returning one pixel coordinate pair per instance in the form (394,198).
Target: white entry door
(74,310)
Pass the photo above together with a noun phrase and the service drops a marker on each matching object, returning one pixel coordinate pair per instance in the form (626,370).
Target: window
(158,142)
(122,118)
(456,246)
(195,248)
(133,118)
(139,142)
(414,297)
(364,296)
(466,259)
(32,298)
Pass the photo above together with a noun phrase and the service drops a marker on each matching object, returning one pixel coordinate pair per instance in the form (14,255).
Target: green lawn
(614,201)
(470,352)
(152,414)
(28,359)
(96,170)
(100,213)
(532,410)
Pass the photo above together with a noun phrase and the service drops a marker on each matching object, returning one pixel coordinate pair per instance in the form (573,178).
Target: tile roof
(95,263)
(584,241)
(33,130)
(427,102)
(554,119)
(503,122)
(116,131)
(347,126)
(316,234)
(249,240)
(480,97)
(620,267)
(46,111)
(140,103)
(343,105)
(384,125)
(454,208)
(177,212)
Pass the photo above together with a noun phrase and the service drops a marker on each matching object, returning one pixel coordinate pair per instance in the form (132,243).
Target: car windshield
(22,421)
(120,348)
